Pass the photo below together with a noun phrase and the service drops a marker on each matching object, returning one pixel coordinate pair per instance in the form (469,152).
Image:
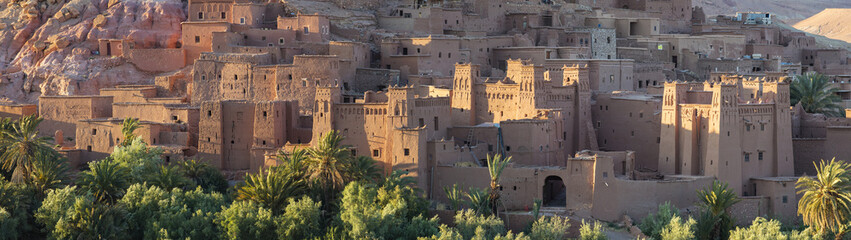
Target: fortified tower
(669,155)
(463,94)
(724,150)
(323,110)
(778,92)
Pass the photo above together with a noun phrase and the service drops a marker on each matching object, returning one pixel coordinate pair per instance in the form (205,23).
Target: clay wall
(250,14)
(98,137)
(15,111)
(268,37)
(629,121)
(352,56)
(309,28)
(781,198)
(157,59)
(135,94)
(61,113)
(197,37)
(375,79)
(111,47)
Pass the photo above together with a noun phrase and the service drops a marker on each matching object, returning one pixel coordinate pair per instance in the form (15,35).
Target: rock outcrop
(50,46)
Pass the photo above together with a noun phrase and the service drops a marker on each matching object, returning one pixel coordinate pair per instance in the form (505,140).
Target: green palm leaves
(496,164)
(826,200)
(23,147)
(816,94)
(128,127)
(272,188)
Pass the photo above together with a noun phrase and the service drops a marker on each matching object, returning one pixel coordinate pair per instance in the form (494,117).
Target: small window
(94,131)
(242,21)
(200,15)
(422,123)
(197,39)
(376,153)
(747,157)
(407,152)
(785,199)
(89,148)
(435,123)
(759,156)
(605,174)
(354,152)
(173,117)
(306,30)
(224,15)
(264,113)
(304,83)
(281,41)
(209,113)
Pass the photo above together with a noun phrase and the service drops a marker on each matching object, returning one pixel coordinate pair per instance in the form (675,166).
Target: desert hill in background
(790,11)
(833,23)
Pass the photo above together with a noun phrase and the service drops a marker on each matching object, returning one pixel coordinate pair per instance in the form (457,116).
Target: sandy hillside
(789,11)
(833,23)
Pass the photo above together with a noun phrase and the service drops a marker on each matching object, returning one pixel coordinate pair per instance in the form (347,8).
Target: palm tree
(295,162)
(496,165)
(716,202)
(477,200)
(363,168)
(169,177)
(272,188)
(816,94)
(826,201)
(326,163)
(23,147)
(48,173)
(206,176)
(454,196)
(128,127)
(106,180)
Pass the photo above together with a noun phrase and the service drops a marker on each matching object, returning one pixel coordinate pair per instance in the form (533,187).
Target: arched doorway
(555,194)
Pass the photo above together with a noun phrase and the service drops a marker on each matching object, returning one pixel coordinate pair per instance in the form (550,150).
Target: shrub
(245,220)
(550,228)
(175,214)
(470,224)
(67,215)
(678,229)
(368,211)
(301,220)
(653,224)
(589,232)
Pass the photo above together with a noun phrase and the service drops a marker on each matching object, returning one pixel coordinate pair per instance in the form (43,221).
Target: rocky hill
(833,23)
(49,46)
(789,11)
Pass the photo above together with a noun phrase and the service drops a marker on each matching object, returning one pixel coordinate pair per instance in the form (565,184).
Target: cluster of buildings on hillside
(610,106)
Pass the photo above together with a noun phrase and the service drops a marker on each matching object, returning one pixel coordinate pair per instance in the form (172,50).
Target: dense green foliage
(653,224)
